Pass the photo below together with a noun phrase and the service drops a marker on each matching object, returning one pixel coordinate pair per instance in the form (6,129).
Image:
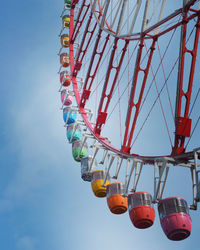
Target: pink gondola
(174,218)
(66,98)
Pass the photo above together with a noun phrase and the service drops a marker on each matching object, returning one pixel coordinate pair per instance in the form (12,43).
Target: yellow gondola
(97,182)
(66,21)
(65,40)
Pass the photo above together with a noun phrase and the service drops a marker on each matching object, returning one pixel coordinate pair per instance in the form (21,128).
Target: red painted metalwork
(183,123)
(76,91)
(81,52)
(105,95)
(84,7)
(125,151)
(128,135)
(89,77)
(73,3)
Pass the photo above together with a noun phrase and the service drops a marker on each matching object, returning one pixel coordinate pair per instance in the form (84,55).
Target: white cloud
(38,137)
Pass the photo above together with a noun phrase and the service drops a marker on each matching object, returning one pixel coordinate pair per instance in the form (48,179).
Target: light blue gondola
(72,117)
(76,135)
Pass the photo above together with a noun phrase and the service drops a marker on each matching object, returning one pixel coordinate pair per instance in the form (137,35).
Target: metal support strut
(161,170)
(183,123)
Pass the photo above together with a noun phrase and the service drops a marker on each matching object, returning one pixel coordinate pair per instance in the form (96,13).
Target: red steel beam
(82,52)
(128,135)
(183,123)
(90,77)
(84,7)
(73,3)
(106,98)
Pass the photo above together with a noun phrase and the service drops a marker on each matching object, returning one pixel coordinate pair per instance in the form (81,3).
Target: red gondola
(141,212)
(65,78)
(174,218)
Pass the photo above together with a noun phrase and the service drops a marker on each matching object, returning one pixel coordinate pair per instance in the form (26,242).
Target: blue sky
(44,205)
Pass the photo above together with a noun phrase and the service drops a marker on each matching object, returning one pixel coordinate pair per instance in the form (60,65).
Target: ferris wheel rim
(183,157)
(137,35)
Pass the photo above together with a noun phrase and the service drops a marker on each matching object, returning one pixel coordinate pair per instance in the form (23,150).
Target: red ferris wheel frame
(182,123)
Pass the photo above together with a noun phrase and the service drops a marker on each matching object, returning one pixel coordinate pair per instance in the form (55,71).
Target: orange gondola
(65,40)
(64,59)
(115,200)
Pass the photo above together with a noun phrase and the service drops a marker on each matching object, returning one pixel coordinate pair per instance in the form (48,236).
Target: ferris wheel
(130,93)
